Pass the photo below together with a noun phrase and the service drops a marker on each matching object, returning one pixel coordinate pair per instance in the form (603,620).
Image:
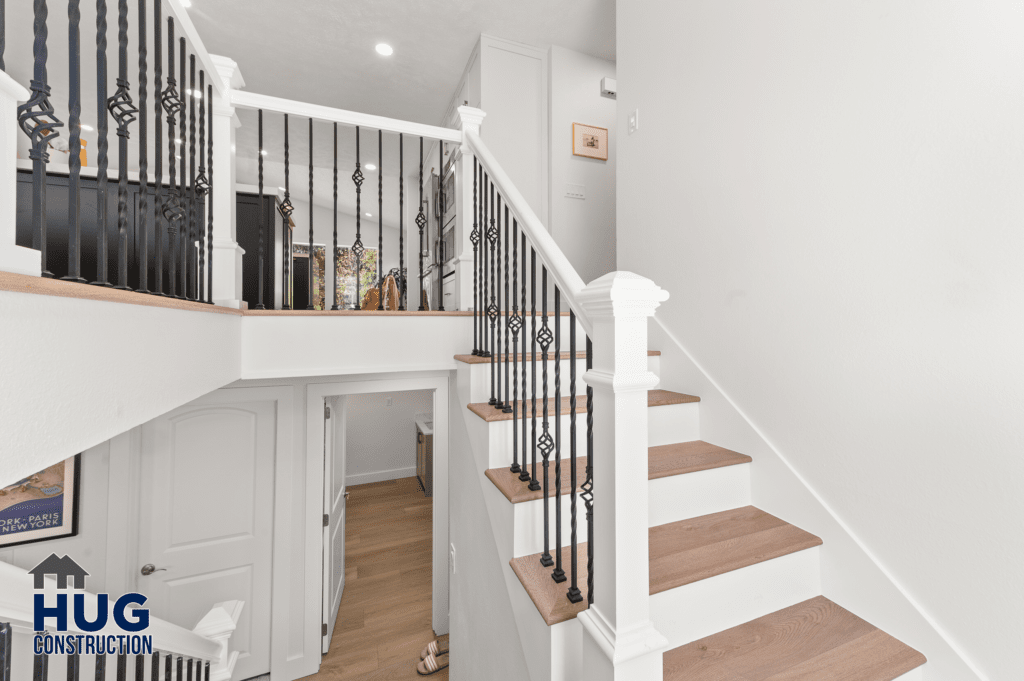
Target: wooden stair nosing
(662,461)
(681,553)
(655,398)
(808,641)
(476,359)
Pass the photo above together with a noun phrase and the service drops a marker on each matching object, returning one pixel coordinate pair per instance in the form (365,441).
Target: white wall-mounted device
(608,88)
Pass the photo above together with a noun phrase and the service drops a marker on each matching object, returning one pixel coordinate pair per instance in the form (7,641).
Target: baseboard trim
(379,476)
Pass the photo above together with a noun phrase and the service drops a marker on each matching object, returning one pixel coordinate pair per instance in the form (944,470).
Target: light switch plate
(634,121)
(575,191)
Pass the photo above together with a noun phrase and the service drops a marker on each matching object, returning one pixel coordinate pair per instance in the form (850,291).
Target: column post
(619,641)
(227,254)
(470,118)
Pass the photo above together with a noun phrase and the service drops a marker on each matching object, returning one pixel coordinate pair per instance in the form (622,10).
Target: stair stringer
(850,575)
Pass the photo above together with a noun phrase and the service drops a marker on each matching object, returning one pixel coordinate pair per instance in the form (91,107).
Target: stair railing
(509,243)
(204,649)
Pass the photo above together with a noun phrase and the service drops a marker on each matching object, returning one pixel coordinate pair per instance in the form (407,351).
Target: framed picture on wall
(42,506)
(590,141)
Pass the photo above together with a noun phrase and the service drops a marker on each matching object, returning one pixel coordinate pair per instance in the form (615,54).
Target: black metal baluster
(558,574)
(38,121)
(499,404)
(334,260)
(508,407)
(524,474)
(171,207)
(183,205)
(180,666)
(202,190)
(573,593)
(101,144)
(380,220)
(188,664)
(545,444)
(143,215)
(154,674)
(485,264)
(123,111)
(168,667)
(515,324)
(474,238)
(492,308)
(41,667)
(357,247)
(401,222)
(286,212)
(587,488)
(209,201)
(534,483)
(75,143)
(3,33)
(421,222)
(440,226)
(207,678)
(122,665)
(140,667)
(190,258)
(100,672)
(74,669)
(310,306)
(259,250)
(158,141)
(6,635)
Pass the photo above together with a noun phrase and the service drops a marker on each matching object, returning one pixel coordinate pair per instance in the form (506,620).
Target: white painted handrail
(561,270)
(188,30)
(207,642)
(251,100)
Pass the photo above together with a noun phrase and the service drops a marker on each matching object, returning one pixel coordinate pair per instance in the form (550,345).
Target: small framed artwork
(42,506)
(590,141)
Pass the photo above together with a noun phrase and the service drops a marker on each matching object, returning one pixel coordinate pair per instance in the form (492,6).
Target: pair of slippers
(429,663)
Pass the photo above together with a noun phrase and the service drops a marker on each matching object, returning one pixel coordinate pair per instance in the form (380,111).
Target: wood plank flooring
(385,616)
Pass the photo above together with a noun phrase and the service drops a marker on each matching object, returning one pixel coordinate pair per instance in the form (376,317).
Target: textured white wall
(74,373)
(381,439)
(831,193)
(583,228)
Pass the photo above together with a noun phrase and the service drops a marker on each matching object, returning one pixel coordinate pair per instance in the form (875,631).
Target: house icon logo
(62,569)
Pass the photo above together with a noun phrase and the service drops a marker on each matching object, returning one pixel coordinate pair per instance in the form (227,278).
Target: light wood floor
(385,616)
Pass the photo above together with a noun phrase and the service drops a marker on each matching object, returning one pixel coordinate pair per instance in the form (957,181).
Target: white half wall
(831,193)
(381,439)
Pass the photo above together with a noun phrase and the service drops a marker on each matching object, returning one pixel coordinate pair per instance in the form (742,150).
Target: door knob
(346,495)
(149,569)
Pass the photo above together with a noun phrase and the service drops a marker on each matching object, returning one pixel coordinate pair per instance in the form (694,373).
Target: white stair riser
(691,495)
(528,534)
(673,423)
(696,610)
(480,377)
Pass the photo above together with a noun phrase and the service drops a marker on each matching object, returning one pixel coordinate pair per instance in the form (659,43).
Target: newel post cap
(622,294)
(471,118)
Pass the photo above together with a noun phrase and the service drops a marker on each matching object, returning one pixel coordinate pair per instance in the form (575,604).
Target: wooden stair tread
(547,594)
(655,398)
(690,550)
(476,359)
(809,641)
(662,462)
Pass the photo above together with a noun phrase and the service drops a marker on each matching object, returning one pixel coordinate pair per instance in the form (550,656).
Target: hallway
(385,616)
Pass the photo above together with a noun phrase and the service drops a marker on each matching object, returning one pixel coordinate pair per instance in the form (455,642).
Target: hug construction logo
(128,621)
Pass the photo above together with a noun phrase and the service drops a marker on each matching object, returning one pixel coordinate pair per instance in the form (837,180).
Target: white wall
(381,438)
(583,228)
(831,193)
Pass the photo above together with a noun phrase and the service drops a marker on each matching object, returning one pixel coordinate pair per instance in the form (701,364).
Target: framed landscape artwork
(41,506)
(590,141)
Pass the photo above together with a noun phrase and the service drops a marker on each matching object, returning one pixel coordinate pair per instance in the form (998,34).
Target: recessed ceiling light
(384,49)
(370,166)
(87,127)
(264,152)
(177,140)
(186,3)
(369,215)
(282,189)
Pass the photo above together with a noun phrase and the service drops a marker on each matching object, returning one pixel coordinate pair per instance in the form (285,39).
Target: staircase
(735,591)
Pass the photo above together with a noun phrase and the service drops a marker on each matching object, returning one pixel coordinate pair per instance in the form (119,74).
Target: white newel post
(218,625)
(471,120)
(227,254)
(619,641)
(13,258)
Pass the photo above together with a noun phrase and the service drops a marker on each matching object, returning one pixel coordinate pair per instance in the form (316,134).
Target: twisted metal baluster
(158,141)
(143,216)
(474,238)
(202,188)
(508,407)
(192,208)
(101,144)
(558,574)
(122,665)
(534,483)
(310,305)
(41,667)
(545,444)
(171,206)
(3,33)
(587,488)
(75,145)
(168,667)
(499,404)
(74,668)
(440,226)
(259,213)
(154,674)
(421,222)
(101,668)
(492,309)
(515,325)
(183,183)
(401,221)
(123,111)
(286,210)
(6,636)
(140,660)
(37,120)
(573,593)
(209,202)
(380,219)
(334,297)
(357,247)
(524,475)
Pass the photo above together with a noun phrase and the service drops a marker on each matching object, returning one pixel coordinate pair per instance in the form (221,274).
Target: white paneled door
(335,495)
(206,512)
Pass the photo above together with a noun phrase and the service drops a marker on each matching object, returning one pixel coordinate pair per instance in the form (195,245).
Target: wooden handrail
(560,269)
